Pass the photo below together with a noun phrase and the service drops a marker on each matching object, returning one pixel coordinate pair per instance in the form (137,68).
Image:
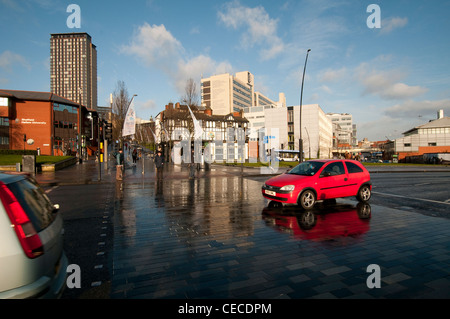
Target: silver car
(32,260)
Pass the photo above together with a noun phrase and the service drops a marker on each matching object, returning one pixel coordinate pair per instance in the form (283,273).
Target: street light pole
(309,143)
(300,142)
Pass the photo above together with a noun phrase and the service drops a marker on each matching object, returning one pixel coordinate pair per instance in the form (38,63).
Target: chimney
(440,114)
(177,105)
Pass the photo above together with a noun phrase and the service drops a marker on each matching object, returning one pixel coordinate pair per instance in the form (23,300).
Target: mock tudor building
(214,127)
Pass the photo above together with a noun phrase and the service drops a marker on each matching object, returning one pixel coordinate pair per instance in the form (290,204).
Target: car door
(332,181)
(356,176)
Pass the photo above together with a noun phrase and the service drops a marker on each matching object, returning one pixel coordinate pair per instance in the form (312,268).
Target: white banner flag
(198,131)
(129,126)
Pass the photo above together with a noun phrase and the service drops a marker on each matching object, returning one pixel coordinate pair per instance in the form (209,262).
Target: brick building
(50,122)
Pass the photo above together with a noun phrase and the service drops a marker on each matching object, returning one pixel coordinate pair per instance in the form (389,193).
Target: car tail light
(28,237)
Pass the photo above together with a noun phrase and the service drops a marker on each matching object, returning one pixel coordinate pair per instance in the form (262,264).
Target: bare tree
(190,94)
(119,108)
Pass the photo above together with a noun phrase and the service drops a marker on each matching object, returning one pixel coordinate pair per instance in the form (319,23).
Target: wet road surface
(215,237)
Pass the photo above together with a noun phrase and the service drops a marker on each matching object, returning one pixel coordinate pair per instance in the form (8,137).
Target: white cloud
(326,89)
(413,109)
(155,46)
(197,66)
(8,59)
(158,48)
(333,75)
(386,83)
(260,29)
(195,30)
(390,24)
(382,128)
(149,105)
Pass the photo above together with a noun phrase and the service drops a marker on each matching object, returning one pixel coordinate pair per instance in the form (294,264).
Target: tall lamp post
(300,142)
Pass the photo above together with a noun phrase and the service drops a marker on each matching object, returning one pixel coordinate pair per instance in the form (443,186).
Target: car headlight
(288,188)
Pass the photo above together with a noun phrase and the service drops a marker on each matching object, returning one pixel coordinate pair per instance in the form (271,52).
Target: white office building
(226,93)
(344,130)
(317,132)
(431,137)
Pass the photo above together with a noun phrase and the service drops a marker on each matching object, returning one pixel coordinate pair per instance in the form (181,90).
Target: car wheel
(364,194)
(307,199)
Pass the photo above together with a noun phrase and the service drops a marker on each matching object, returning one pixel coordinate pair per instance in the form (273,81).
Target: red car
(316,180)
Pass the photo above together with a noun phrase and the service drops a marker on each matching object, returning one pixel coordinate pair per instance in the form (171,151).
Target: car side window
(353,168)
(333,169)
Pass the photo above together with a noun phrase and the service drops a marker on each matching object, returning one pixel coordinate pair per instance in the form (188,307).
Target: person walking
(192,165)
(159,163)
(120,159)
(134,156)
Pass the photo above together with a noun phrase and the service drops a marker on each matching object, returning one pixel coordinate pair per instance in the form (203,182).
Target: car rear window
(353,168)
(34,202)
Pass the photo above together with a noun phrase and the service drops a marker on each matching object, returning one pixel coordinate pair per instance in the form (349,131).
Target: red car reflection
(316,180)
(333,223)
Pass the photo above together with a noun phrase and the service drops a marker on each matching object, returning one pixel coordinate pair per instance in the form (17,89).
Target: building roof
(182,111)
(36,96)
(442,122)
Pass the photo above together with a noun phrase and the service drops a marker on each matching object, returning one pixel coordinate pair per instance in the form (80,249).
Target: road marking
(421,184)
(421,199)
(50,189)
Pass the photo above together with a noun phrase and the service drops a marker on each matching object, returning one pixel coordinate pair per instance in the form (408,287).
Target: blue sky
(390,78)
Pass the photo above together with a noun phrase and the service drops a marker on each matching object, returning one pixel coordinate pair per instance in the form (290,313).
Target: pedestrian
(192,165)
(159,163)
(120,159)
(134,155)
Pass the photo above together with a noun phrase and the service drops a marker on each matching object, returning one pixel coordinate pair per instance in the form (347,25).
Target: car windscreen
(34,202)
(306,168)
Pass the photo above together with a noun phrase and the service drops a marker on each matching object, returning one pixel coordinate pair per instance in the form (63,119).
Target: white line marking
(50,189)
(421,199)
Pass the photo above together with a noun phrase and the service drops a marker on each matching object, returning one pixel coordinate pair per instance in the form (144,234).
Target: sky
(390,76)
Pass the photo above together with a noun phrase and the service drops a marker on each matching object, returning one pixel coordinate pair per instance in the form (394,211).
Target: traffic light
(108,131)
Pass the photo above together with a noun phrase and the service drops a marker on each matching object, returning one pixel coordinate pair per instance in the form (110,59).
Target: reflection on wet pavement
(216,237)
(343,223)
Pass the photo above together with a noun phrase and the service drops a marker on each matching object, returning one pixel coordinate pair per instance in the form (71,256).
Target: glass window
(334,169)
(308,168)
(353,168)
